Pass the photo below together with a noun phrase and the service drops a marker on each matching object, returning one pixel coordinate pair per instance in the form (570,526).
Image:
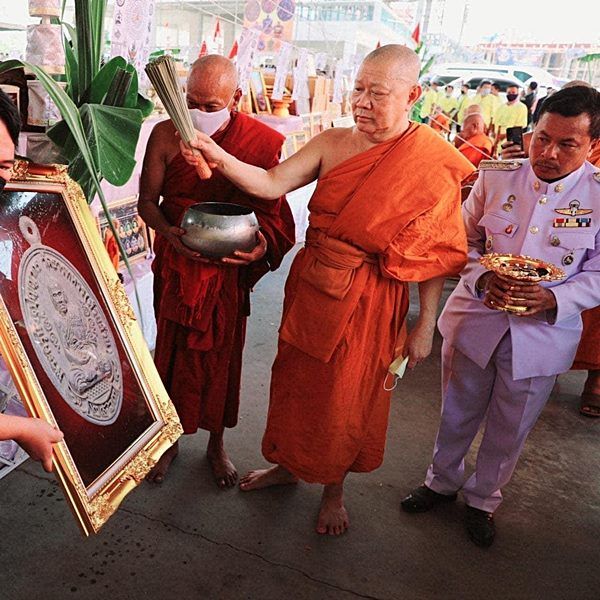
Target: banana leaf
(112,133)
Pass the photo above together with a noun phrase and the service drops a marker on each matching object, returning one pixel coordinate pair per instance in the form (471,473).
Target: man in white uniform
(502,363)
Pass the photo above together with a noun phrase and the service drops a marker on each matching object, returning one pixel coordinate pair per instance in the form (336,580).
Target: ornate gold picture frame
(260,97)
(69,338)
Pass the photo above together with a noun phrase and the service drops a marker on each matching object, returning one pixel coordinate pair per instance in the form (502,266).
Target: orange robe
(377,221)
(440,123)
(476,148)
(201,309)
(588,353)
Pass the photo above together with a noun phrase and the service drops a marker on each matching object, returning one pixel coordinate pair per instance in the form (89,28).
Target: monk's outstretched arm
(420,339)
(296,171)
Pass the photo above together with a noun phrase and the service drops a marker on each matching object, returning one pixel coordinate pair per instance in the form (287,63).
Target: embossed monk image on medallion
(70,334)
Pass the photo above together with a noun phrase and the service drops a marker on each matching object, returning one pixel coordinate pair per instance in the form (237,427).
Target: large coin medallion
(69,331)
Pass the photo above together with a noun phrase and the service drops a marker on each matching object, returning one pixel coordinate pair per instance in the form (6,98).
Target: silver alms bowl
(218,229)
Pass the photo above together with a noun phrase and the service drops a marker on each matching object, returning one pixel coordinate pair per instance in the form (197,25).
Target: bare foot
(159,471)
(223,470)
(333,518)
(262,478)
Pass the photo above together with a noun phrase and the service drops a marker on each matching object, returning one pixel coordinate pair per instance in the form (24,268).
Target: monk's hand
(240,258)
(173,235)
(510,151)
(209,150)
(419,343)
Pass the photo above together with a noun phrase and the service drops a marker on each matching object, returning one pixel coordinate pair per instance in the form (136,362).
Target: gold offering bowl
(522,268)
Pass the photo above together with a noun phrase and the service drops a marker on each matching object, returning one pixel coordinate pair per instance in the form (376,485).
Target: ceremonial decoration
(132,31)
(524,268)
(72,346)
(273,20)
(163,76)
(258,90)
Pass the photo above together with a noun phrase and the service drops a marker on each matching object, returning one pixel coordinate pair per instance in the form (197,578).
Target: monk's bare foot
(224,472)
(333,518)
(159,471)
(262,478)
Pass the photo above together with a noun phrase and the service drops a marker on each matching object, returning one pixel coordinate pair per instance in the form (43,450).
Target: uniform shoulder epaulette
(499,165)
(596,176)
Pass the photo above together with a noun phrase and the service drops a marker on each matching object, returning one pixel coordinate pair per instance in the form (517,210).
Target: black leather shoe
(480,526)
(423,499)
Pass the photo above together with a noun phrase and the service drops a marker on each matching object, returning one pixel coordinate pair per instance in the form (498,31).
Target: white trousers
(512,407)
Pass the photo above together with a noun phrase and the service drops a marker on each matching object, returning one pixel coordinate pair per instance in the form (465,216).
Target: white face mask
(209,122)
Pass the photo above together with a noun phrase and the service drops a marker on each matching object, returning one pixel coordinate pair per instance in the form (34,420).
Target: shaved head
(212,84)
(217,70)
(401,60)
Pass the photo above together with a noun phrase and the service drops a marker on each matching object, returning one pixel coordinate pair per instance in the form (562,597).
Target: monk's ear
(236,97)
(414,95)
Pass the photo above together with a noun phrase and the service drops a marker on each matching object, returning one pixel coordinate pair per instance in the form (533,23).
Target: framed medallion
(72,345)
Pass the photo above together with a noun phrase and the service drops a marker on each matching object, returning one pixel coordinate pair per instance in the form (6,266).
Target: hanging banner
(247,46)
(132,31)
(273,19)
(301,91)
(338,82)
(281,70)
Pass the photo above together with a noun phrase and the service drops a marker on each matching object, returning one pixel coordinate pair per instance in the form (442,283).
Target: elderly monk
(386,211)
(472,141)
(202,305)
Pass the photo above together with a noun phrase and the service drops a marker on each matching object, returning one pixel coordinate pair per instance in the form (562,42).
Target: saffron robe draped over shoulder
(477,148)
(588,353)
(201,309)
(385,217)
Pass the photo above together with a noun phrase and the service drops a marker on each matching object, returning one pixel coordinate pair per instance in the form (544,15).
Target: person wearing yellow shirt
(511,114)
(464,101)
(485,99)
(497,100)
(448,103)
(430,101)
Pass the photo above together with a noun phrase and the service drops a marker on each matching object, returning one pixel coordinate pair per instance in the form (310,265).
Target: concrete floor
(187,539)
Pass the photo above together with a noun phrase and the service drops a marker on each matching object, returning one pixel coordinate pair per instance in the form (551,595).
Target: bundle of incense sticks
(163,76)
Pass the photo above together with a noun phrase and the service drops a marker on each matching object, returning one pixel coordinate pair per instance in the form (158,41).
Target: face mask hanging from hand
(209,122)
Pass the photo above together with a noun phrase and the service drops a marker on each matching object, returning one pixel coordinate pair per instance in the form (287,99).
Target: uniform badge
(572,222)
(554,240)
(559,187)
(568,259)
(509,229)
(596,176)
(574,209)
(489,243)
(536,185)
(508,205)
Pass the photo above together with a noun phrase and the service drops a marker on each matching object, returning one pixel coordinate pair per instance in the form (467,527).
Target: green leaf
(112,133)
(98,88)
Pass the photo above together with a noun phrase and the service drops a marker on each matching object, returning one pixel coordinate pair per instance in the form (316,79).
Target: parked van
(525,74)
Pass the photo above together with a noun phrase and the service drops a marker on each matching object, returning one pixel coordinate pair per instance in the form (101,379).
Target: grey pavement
(188,539)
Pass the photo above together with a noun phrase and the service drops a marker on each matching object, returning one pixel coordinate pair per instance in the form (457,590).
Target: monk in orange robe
(588,353)
(472,142)
(386,211)
(440,122)
(202,305)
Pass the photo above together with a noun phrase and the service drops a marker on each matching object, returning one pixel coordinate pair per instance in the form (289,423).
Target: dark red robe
(201,309)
